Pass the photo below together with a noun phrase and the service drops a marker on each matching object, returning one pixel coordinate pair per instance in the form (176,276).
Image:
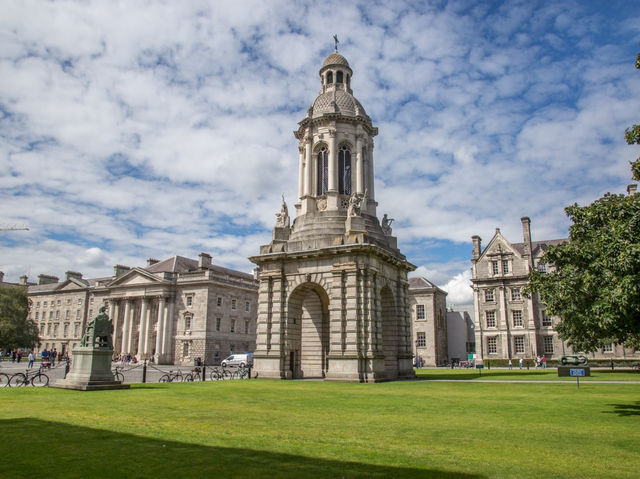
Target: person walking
(510,364)
(31,359)
(520,363)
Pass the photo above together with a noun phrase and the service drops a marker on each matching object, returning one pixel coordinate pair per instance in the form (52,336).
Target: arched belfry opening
(308,332)
(333,284)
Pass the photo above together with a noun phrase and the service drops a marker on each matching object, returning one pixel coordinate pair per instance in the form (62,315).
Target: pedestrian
(54,355)
(19,356)
(31,359)
(520,363)
(510,364)
(544,362)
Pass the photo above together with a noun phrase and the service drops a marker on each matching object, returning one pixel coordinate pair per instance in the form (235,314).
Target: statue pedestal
(90,371)
(355,225)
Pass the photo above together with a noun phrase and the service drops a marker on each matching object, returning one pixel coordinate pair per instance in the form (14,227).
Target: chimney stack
(23,280)
(47,279)
(526,234)
(204,260)
(477,242)
(151,262)
(72,274)
(119,270)
(632,189)
(1,276)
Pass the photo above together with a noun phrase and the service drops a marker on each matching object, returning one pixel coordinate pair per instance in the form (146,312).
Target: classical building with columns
(333,295)
(175,310)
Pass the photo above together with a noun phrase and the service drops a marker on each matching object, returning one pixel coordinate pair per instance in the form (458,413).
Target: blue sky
(131,130)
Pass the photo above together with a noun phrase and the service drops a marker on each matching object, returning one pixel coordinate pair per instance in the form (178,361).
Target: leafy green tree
(595,289)
(16,330)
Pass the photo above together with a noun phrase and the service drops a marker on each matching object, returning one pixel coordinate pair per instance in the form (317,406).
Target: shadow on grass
(627,409)
(35,448)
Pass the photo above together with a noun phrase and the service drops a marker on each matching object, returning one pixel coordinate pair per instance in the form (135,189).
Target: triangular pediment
(499,246)
(136,277)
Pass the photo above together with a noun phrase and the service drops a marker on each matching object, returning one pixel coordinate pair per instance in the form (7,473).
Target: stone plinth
(90,371)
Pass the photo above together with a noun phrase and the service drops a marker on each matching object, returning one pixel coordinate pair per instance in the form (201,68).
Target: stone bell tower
(333,298)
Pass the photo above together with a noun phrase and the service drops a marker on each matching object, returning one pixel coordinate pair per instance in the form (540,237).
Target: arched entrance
(307,332)
(390,342)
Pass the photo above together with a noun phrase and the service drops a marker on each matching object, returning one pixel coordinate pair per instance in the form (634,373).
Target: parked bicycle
(37,379)
(117,374)
(242,373)
(218,374)
(171,377)
(4,380)
(194,375)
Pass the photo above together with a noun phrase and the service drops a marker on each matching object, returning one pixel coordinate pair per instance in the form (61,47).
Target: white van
(241,360)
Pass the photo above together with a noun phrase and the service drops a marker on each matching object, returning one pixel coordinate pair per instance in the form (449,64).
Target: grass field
(526,374)
(315,429)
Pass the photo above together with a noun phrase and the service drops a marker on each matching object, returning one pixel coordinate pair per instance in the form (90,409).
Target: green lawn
(315,429)
(527,374)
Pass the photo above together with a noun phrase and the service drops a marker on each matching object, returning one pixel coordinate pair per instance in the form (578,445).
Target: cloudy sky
(140,129)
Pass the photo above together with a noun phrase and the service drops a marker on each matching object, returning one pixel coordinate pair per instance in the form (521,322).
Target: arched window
(323,171)
(329,77)
(339,77)
(344,170)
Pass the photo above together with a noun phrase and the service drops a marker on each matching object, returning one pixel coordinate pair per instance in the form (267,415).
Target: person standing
(510,364)
(31,359)
(54,355)
(544,362)
(520,363)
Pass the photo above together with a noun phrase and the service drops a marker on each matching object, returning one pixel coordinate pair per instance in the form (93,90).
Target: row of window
(51,329)
(188,320)
(67,314)
(495,267)
(489,295)
(518,345)
(59,303)
(339,77)
(517,319)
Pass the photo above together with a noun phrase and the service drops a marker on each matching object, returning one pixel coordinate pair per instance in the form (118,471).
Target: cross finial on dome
(335,39)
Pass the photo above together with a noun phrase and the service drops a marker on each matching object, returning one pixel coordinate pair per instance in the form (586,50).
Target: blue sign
(576,372)
(479,366)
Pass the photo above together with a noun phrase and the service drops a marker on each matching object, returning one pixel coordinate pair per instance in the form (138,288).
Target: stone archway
(390,332)
(307,345)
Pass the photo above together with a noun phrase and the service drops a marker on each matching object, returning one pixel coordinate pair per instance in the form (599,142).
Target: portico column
(126,327)
(160,327)
(168,327)
(147,328)
(333,158)
(142,329)
(114,310)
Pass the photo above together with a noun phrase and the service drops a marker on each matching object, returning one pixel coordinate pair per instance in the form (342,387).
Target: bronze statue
(98,332)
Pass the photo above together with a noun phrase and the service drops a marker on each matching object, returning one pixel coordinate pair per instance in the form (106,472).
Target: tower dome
(335,59)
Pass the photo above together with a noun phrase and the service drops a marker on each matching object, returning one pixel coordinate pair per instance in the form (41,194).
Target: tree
(16,329)
(595,288)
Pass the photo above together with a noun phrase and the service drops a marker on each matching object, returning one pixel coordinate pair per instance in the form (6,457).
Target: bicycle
(4,380)
(218,374)
(117,374)
(171,377)
(243,373)
(37,379)
(194,375)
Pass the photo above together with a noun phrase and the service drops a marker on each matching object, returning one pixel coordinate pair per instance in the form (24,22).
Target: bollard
(203,372)
(66,368)
(144,371)
(249,376)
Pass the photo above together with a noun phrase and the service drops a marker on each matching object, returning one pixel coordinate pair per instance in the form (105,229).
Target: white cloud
(136,130)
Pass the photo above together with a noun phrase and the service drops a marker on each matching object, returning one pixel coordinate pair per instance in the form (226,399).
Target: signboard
(576,372)
(479,366)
